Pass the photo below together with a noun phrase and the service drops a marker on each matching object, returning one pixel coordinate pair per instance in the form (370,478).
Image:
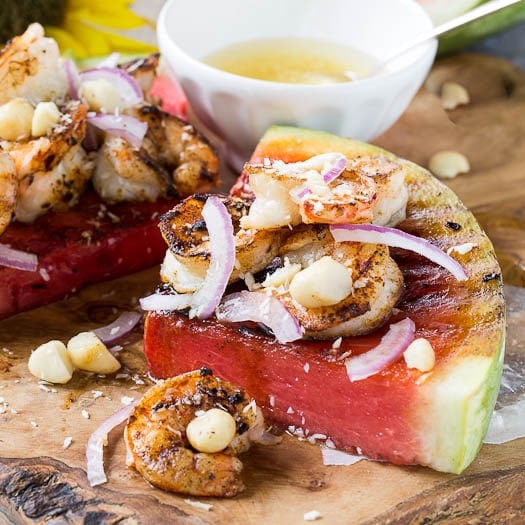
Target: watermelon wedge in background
(399,414)
(89,243)
(442,10)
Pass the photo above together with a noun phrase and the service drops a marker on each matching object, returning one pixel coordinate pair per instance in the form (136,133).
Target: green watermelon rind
(457,400)
(484,27)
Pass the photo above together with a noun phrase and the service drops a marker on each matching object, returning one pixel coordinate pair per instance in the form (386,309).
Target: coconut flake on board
(334,457)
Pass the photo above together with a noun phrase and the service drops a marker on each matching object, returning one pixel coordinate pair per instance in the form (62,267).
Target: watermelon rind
(456,401)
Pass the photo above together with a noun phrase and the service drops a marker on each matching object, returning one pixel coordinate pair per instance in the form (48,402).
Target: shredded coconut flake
(44,274)
(126,400)
(462,249)
(85,414)
(332,457)
(337,343)
(67,442)
(312,515)
(198,504)
(306,367)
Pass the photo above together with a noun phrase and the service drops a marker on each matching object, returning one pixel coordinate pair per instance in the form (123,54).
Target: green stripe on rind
(456,412)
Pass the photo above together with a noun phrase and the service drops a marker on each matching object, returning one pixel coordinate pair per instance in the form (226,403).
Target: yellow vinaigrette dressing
(292,60)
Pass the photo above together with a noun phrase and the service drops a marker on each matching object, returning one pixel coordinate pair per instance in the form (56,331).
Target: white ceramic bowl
(239,109)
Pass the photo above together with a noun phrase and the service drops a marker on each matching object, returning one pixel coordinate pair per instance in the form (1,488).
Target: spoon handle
(469,16)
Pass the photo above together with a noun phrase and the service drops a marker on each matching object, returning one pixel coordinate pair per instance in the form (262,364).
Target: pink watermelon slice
(401,415)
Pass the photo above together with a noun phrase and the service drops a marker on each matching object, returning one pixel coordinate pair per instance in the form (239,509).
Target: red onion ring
(336,170)
(339,165)
(389,349)
(121,326)
(203,302)
(18,259)
(96,442)
(124,83)
(260,308)
(374,234)
(73,78)
(124,126)
(222,258)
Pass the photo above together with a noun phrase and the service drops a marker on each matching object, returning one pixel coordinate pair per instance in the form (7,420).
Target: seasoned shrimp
(57,189)
(335,289)
(44,153)
(369,189)
(188,256)
(180,149)
(144,71)
(30,68)
(8,190)
(124,173)
(157,435)
(389,208)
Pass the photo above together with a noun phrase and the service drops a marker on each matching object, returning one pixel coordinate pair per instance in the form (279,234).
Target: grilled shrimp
(188,256)
(180,149)
(30,68)
(157,435)
(57,189)
(335,289)
(8,190)
(144,71)
(369,189)
(44,153)
(124,173)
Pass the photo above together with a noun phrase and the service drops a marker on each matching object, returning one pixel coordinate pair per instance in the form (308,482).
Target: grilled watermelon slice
(401,415)
(89,243)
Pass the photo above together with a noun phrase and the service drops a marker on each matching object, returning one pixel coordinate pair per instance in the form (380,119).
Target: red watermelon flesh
(400,414)
(89,243)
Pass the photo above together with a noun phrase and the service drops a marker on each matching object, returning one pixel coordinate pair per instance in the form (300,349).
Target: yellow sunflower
(83,28)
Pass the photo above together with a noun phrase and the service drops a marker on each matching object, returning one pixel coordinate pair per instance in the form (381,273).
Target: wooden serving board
(43,481)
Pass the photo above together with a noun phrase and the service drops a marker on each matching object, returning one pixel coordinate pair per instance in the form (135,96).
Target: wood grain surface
(43,481)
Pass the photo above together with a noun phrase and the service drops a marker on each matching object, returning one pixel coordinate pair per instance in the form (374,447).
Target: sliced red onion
(18,259)
(121,326)
(222,258)
(203,302)
(96,442)
(125,84)
(73,78)
(91,138)
(260,308)
(339,165)
(372,233)
(166,302)
(336,170)
(389,349)
(124,126)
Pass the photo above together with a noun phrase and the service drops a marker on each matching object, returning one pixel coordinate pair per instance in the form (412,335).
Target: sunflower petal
(92,39)
(110,18)
(67,42)
(128,45)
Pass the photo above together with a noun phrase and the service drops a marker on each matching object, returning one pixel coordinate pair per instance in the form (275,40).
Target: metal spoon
(470,16)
